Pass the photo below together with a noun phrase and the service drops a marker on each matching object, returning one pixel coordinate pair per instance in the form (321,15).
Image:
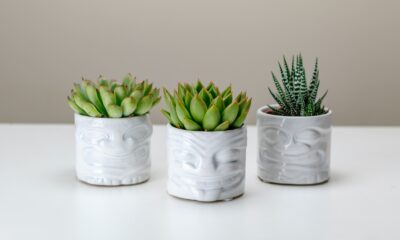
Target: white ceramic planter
(206,166)
(111,151)
(293,150)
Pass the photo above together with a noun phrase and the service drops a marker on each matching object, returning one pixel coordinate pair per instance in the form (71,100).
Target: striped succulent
(109,99)
(200,108)
(294,96)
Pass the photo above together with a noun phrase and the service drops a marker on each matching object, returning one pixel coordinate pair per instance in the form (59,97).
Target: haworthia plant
(297,97)
(109,99)
(204,108)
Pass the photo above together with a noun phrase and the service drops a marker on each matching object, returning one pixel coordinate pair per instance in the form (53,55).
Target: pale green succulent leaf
(128,105)
(86,106)
(188,99)
(93,97)
(242,115)
(128,83)
(137,94)
(227,99)
(156,101)
(78,90)
(147,89)
(205,95)
(227,91)
(75,107)
(181,91)
(190,125)
(171,105)
(199,86)
(223,126)
(114,111)
(198,108)
(181,110)
(120,94)
(167,115)
(219,103)
(144,105)
(211,118)
(231,112)
(107,97)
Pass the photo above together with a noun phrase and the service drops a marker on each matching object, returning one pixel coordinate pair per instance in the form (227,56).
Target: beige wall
(46,45)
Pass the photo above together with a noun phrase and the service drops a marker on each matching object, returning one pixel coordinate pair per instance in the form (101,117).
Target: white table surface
(40,197)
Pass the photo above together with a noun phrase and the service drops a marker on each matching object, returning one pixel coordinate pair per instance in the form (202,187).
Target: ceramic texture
(206,166)
(113,152)
(293,150)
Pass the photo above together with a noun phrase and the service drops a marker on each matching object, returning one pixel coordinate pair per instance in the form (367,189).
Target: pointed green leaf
(211,118)
(199,86)
(128,82)
(171,105)
(78,90)
(128,106)
(120,94)
(219,103)
(190,125)
(84,84)
(227,91)
(181,110)
(93,96)
(156,101)
(206,96)
(181,91)
(242,115)
(147,89)
(103,82)
(167,115)
(107,97)
(213,91)
(155,93)
(230,113)
(223,126)
(227,99)
(198,108)
(89,108)
(188,99)
(114,111)
(75,107)
(144,105)
(137,94)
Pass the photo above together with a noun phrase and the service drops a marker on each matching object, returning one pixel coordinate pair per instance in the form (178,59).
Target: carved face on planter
(293,149)
(112,149)
(206,166)
(305,146)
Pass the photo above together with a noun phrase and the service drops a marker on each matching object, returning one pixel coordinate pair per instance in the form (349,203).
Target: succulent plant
(295,98)
(200,108)
(109,99)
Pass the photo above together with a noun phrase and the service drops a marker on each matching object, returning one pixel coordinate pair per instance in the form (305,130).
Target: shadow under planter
(206,166)
(113,151)
(293,150)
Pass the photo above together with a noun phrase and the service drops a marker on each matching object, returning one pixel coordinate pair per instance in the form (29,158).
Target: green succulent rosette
(200,108)
(110,99)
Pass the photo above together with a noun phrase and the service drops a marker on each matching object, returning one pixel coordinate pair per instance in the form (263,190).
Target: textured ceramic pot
(113,151)
(293,150)
(206,166)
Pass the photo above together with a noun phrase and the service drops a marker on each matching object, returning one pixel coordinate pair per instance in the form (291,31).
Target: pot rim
(243,127)
(111,119)
(261,112)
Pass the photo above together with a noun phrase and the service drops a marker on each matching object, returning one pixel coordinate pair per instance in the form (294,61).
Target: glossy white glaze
(206,166)
(293,150)
(113,151)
